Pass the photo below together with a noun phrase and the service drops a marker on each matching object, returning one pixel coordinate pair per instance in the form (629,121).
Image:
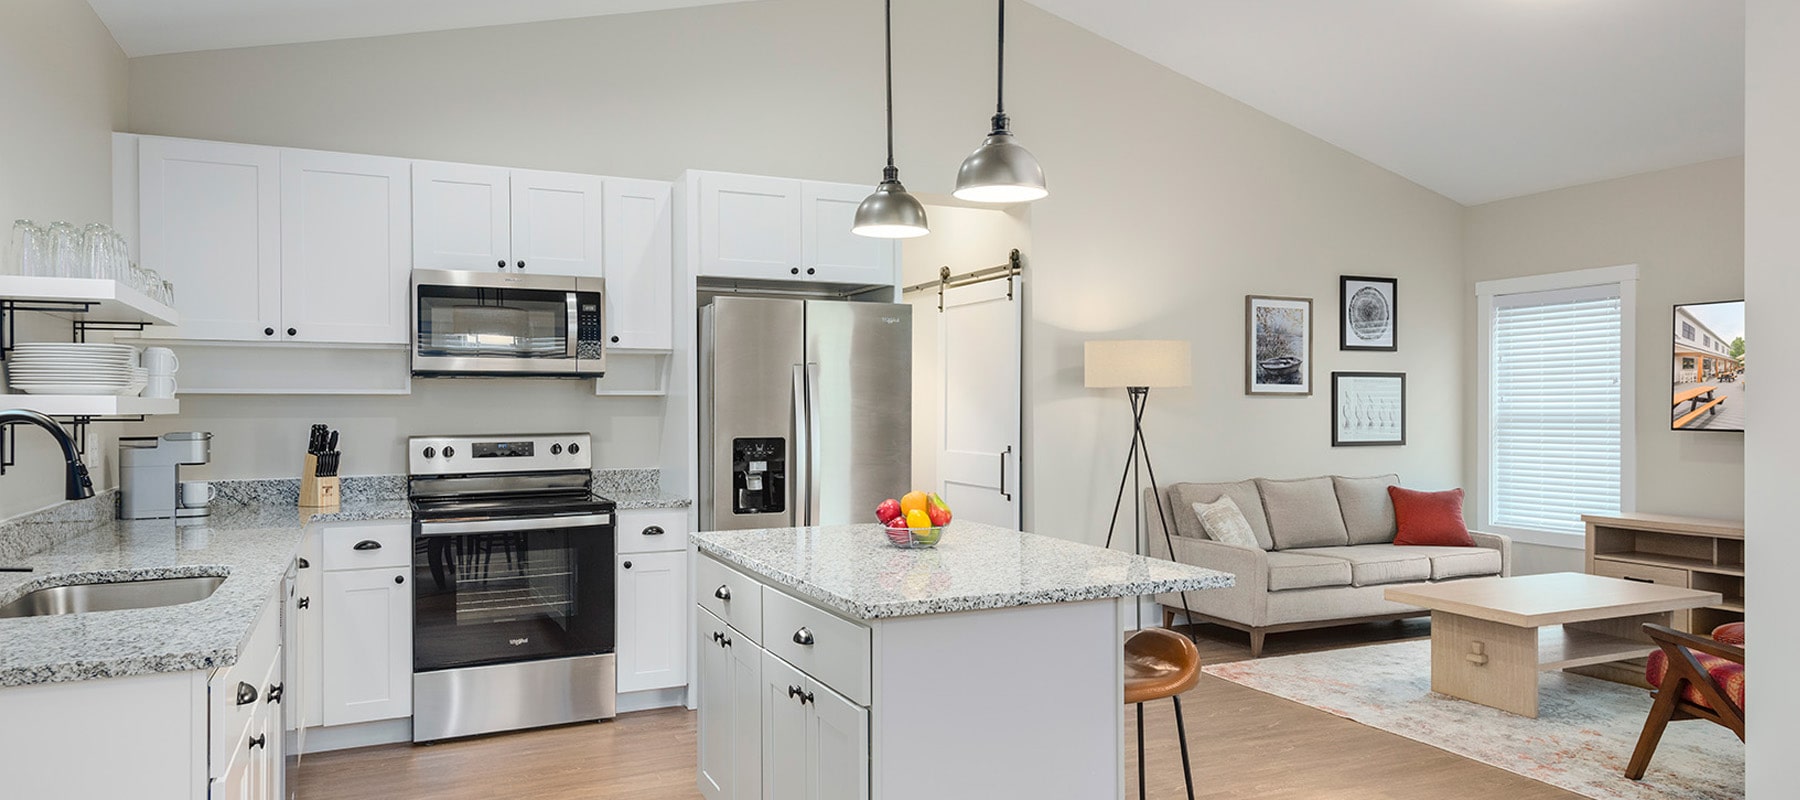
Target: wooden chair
(1160,663)
(1696,678)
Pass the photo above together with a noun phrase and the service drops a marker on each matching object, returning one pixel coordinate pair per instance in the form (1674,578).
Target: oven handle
(508,525)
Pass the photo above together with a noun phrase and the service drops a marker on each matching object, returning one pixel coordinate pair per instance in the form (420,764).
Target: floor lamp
(1137,366)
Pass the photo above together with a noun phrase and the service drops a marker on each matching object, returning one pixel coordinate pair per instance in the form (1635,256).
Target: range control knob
(431,452)
(556,449)
(449,452)
(574,448)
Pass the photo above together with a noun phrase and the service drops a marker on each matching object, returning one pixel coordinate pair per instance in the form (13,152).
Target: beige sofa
(1326,555)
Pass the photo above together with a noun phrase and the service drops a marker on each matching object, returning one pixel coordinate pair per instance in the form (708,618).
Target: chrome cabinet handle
(723,593)
(803,637)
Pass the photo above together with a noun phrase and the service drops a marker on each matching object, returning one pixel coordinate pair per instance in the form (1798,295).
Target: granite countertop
(853,569)
(250,544)
(648,498)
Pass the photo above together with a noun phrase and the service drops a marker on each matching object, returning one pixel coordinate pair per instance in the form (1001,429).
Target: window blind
(1556,422)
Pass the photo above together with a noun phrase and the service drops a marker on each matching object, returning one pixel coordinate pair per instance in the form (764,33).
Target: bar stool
(1160,663)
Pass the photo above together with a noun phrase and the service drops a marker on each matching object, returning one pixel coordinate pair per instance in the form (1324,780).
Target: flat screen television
(1707,367)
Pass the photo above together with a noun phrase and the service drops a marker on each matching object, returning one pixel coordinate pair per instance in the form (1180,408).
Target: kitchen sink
(83,597)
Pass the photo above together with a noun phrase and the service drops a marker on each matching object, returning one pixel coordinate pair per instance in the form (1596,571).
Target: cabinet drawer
(368,545)
(827,647)
(730,595)
(1642,573)
(257,658)
(652,530)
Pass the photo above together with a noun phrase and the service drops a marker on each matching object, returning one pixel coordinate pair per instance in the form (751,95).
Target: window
(1556,427)
(1687,362)
(1687,331)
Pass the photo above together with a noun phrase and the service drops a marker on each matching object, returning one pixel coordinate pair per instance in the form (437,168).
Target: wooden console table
(1689,552)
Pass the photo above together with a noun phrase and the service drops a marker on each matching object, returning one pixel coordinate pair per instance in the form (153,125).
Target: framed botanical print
(1368,408)
(1368,313)
(1278,345)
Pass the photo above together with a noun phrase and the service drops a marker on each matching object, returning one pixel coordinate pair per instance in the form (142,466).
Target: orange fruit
(913,501)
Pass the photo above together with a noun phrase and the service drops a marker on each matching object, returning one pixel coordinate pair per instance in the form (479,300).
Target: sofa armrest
(1250,567)
(1496,541)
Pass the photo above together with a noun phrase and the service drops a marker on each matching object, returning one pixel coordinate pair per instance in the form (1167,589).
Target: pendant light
(1000,170)
(890,213)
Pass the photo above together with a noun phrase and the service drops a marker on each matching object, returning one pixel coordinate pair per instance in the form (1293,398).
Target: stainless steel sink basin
(83,597)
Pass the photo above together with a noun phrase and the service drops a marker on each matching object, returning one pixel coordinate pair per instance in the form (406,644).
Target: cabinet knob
(292,332)
(795,691)
(803,637)
(615,340)
(628,565)
(274,693)
(794,271)
(399,578)
(259,740)
(521,265)
(268,331)
(723,593)
(503,263)
(719,638)
(304,602)
(810,271)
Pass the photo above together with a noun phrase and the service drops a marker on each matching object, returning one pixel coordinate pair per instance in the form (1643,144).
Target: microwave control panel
(588,319)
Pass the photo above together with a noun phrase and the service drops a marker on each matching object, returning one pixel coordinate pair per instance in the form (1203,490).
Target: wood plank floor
(1245,744)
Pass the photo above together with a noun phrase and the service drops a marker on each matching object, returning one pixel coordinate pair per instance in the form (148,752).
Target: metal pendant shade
(890,213)
(1000,170)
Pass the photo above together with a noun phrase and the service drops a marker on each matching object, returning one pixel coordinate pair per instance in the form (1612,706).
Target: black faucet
(79,486)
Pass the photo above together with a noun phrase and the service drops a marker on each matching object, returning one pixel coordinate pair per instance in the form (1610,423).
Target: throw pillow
(1430,518)
(1224,523)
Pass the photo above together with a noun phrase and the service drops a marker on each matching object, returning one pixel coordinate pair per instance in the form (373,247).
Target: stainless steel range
(513,592)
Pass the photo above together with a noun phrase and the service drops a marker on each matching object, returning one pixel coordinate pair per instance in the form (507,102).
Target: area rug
(1581,740)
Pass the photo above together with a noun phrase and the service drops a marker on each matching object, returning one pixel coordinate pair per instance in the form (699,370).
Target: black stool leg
(1140,715)
(1187,772)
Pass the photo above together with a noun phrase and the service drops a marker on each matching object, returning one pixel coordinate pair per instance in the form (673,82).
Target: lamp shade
(1137,362)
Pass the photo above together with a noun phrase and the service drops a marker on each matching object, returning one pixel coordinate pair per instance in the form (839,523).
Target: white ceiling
(1477,100)
(154,27)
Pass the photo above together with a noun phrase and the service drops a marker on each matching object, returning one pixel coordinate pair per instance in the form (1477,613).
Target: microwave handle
(574,320)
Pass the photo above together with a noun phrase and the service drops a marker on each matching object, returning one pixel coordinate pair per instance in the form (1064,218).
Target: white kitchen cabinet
(830,252)
(730,716)
(652,621)
(749,226)
(367,670)
(306,666)
(346,239)
(209,220)
(556,223)
(639,264)
(815,741)
(462,216)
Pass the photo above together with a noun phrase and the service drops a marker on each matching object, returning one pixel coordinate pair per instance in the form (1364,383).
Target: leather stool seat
(1159,663)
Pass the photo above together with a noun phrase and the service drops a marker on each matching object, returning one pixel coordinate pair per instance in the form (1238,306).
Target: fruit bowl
(914,537)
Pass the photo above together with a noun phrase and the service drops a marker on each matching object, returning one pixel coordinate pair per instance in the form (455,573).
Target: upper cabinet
(784,229)
(507,220)
(639,264)
(346,227)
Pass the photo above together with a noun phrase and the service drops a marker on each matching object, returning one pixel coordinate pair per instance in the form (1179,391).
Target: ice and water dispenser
(759,475)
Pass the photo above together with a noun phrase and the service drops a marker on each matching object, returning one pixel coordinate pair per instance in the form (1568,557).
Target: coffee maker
(150,473)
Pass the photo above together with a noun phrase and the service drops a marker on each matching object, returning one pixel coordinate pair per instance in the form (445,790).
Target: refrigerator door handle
(813,455)
(801,486)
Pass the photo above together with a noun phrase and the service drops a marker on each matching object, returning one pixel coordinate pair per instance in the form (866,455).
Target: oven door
(476,323)
(506,590)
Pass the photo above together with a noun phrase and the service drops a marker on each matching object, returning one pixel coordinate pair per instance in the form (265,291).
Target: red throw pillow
(1430,518)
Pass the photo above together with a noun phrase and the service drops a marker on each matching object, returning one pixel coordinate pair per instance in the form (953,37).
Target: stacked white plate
(77,368)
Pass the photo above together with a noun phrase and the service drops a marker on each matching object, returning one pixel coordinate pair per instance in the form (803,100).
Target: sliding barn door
(978,362)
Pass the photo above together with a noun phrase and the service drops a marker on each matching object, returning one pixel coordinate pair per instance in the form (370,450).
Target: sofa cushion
(1224,523)
(1378,564)
(1300,571)
(1460,562)
(1430,518)
(1368,511)
(1303,513)
(1243,493)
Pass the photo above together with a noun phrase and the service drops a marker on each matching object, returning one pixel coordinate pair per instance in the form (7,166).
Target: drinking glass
(27,253)
(96,251)
(65,250)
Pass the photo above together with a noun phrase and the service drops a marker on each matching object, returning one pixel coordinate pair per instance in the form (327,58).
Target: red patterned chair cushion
(1729,675)
(1729,633)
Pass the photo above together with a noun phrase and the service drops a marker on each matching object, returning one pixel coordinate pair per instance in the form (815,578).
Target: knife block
(317,492)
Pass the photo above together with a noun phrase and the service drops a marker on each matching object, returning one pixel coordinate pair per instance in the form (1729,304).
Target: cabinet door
(210,222)
(639,264)
(831,252)
(309,608)
(346,248)
(461,216)
(368,646)
(746,687)
(749,227)
(556,223)
(234,782)
(716,707)
(652,635)
(785,752)
(837,747)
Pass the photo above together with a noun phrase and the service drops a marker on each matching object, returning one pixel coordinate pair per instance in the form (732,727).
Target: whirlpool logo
(519,641)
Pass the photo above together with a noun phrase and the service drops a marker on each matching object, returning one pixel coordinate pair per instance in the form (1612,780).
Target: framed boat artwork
(1278,345)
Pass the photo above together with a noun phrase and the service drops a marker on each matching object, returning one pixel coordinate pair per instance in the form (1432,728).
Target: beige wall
(1170,201)
(1684,229)
(1772,249)
(62,92)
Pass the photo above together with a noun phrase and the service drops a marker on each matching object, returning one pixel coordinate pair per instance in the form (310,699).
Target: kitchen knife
(331,444)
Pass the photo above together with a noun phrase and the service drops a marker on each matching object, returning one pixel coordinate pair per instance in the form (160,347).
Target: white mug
(160,386)
(161,361)
(197,494)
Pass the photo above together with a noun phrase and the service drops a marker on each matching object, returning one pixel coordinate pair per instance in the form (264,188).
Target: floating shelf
(98,299)
(91,405)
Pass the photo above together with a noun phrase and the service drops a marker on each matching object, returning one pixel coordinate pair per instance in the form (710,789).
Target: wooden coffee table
(1490,637)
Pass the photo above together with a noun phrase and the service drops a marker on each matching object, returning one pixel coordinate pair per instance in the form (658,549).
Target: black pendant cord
(1140,451)
(1000,71)
(888,16)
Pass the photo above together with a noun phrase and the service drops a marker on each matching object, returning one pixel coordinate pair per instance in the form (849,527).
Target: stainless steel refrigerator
(805,411)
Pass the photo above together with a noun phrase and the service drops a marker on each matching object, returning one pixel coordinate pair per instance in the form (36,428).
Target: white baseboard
(362,734)
(654,698)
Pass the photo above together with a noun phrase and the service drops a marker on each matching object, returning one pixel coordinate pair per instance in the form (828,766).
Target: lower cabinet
(652,628)
(367,645)
(256,769)
(815,741)
(730,725)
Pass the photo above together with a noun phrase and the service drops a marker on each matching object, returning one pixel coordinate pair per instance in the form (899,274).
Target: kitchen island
(834,666)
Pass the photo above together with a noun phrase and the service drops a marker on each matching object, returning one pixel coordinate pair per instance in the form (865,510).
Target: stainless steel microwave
(507,325)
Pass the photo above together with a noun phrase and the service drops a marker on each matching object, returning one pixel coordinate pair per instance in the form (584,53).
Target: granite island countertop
(853,570)
(251,545)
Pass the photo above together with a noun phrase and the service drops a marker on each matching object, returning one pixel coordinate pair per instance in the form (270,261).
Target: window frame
(1625,277)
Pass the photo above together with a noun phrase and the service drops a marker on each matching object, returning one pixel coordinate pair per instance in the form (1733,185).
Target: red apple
(897,523)
(888,511)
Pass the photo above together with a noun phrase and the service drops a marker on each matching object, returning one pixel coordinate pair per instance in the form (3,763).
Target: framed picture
(1278,345)
(1368,313)
(1368,408)
(1709,378)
